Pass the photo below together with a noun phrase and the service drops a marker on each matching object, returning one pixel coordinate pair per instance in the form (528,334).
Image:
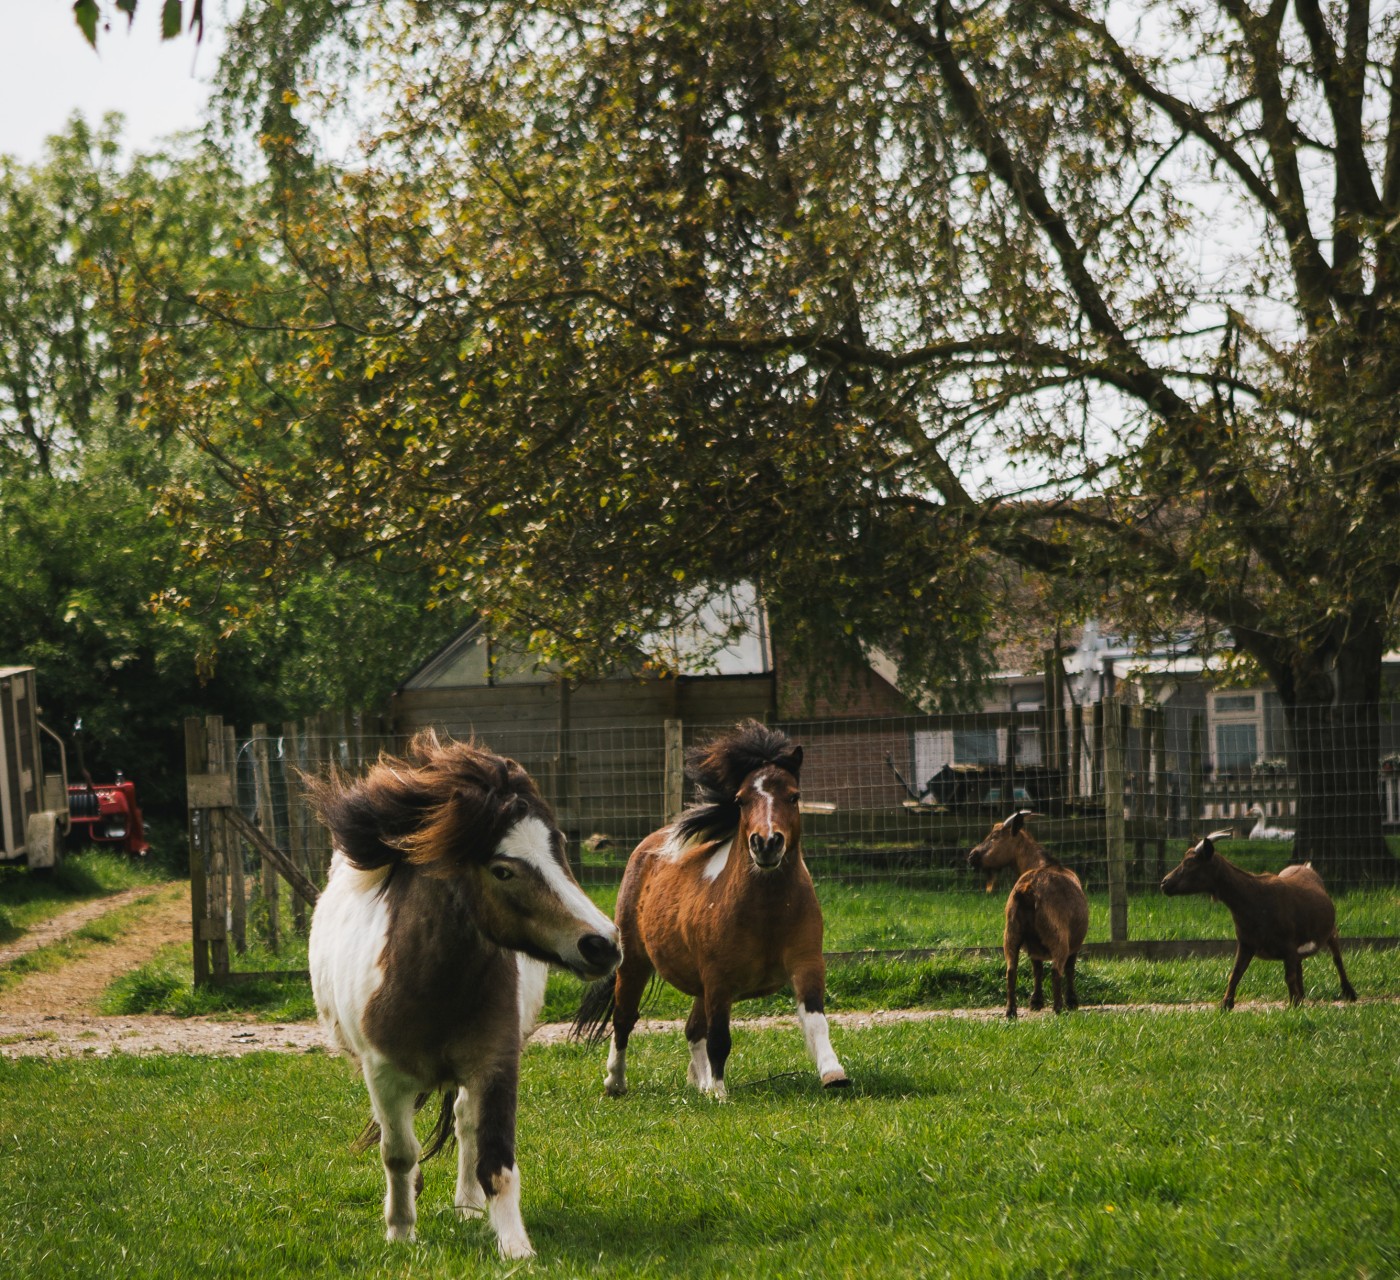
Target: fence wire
(902,799)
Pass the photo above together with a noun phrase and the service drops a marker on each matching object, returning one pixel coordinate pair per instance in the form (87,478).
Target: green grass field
(883,916)
(1263,1143)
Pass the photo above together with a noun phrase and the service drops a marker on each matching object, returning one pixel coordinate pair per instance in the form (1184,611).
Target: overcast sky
(48,71)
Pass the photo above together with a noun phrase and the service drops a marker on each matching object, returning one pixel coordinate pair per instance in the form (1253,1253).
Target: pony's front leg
(696,1029)
(469,1199)
(391,1095)
(717,1042)
(809,985)
(496,1173)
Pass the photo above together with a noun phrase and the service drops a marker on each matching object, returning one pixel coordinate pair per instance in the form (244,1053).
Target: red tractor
(108,813)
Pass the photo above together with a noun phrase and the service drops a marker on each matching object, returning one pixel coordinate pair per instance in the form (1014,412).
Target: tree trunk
(1331,701)
(1335,756)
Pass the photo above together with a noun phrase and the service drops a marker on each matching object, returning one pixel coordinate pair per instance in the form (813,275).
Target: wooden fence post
(673,772)
(237,884)
(293,746)
(1194,778)
(1115,840)
(267,820)
(196,762)
(218,856)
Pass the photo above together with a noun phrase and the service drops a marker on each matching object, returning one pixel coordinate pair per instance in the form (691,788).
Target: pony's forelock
(718,769)
(440,803)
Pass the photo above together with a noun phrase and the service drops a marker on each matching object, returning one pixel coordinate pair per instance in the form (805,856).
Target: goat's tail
(443,1130)
(595,1012)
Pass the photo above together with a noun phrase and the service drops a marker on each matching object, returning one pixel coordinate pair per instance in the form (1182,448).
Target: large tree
(99,588)
(855,299)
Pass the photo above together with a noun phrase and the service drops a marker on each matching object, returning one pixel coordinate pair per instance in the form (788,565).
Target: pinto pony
(449,895)
(721,906)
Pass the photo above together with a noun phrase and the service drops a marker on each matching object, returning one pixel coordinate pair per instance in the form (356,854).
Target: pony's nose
(766,851)
(600,952)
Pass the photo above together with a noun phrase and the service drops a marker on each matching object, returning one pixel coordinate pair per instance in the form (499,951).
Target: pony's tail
(595,1012)
(444,1131)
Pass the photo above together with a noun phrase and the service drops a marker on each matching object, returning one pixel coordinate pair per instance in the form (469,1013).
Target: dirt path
(56,927)
(75,987)
(51,1014)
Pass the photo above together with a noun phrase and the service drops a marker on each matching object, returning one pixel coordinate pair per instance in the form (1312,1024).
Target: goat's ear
(1015,823)
(1205,848)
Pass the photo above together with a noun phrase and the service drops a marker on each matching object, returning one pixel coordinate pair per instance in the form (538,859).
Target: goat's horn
(1221,835)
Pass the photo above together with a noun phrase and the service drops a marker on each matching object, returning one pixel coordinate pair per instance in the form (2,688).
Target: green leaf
(127,7)
(171,19)
(85,12)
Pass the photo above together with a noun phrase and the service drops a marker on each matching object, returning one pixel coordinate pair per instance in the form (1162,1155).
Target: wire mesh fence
(892,805)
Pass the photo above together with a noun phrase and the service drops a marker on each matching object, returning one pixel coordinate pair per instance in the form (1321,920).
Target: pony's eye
(502,872)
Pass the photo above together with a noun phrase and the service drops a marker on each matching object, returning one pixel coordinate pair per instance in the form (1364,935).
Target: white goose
(1261,829)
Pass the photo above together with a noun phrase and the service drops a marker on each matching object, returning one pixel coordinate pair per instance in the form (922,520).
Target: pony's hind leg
(470,1200)
(629,987)
(696,1031)
(391,1096)
(809,986)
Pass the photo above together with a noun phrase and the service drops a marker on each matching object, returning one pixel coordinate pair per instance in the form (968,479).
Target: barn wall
(608,778)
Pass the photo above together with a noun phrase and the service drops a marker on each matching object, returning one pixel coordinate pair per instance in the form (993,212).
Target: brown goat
(1277,917)
(1047,913)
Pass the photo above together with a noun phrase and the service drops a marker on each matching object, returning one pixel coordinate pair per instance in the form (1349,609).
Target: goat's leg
(391,1095)
(1348,991)
(1243,955)
(696,1030)
(469,1199)
(1071,995)
(1038,984)
(495,1157)
(629,986)
(809,986)
(1293,976)
(1012,956)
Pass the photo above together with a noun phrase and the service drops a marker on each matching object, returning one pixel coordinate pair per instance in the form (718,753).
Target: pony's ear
(792,762)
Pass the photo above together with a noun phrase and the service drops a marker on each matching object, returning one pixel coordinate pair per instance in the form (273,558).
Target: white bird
(1261,829)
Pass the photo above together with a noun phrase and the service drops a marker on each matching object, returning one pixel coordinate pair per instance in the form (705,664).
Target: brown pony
(720,905)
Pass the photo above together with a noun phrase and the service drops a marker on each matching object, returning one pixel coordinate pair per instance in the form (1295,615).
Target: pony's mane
(440,803)
(718,769)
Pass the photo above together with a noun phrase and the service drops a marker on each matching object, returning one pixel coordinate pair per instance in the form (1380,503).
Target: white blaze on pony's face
(771,823)
(532,903)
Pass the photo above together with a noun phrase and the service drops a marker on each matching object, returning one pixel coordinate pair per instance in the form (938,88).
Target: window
(1234,702)
(975,746)
(1236,745)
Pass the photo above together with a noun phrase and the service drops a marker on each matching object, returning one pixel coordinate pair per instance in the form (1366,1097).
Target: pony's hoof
(613,1089)
(835,1080)
(400,1233)
(516,1247)
(467,1211)
(1011,1015)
